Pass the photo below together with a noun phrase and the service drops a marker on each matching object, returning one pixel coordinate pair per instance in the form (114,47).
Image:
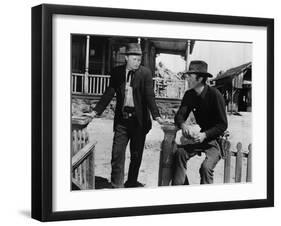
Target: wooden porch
(95,85)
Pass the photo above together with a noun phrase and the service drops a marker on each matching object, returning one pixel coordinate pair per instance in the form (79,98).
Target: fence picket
(104,84)
(75,84)
(76,174)
(91,171)
(108,81)
(80,175)
(238,165)
(84,171)
(91,83)
(227,164)
(100,87)
(83,138)
(94,85)
(79,141)
(75,142)
(249,164)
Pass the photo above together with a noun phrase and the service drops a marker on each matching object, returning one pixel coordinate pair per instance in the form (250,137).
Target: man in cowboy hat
(133,86)
(208,107)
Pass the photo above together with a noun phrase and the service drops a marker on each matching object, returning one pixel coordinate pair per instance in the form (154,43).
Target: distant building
(236,86)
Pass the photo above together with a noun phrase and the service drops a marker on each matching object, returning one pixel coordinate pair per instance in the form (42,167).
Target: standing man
(208,107)
(133,86)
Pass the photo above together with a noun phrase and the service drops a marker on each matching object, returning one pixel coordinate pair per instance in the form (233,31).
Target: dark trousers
(125,131)
(182,155)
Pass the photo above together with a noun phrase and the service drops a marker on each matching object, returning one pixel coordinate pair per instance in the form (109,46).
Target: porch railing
(90,84)
(97,84)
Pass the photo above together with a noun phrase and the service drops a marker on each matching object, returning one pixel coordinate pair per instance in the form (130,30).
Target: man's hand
(160,120)
(92,114)
(185,130)
(200,137)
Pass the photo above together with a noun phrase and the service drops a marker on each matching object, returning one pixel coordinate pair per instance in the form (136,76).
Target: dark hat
(133,49)
(198,67)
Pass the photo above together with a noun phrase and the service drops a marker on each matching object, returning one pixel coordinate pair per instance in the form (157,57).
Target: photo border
(42,108)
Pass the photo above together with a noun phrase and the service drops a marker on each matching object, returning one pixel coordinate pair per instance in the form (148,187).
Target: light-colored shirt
(129,100)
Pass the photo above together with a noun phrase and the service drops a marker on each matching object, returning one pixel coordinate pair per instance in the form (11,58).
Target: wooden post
(84,172)
(75,149)
(166,155)
(146,54)
(187,51)
(83,138)
(100,85)
(73,76)
(227,164)
(104,84)
(79,139)
(238,167)
(91,171)
(91,83)
(109,55)
(108,81)
(152,57)
(94,85)
(103,59)
(74,142)
(249,164)
(86,77)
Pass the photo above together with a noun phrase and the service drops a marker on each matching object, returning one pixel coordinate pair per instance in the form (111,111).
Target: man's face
(133,62)
(193,81)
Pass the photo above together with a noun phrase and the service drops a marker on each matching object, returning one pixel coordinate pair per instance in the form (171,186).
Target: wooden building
(236,86)
(93,57)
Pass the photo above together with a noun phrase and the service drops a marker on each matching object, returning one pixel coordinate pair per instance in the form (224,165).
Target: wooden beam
(82,154)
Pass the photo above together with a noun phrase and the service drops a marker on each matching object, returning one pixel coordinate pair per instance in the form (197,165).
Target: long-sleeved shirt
(129,100)
(208,109)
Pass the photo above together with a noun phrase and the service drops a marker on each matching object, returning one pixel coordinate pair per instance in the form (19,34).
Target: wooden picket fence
(239,155)
(83,174)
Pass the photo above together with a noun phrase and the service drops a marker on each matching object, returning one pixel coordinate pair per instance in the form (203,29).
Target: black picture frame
(42,107)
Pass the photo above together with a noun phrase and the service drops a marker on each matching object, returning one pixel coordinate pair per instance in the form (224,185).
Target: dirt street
(101,130)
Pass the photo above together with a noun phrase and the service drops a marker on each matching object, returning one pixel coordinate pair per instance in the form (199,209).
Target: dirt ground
(101,130)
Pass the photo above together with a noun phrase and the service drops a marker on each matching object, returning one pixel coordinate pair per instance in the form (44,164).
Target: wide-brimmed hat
(198,67)
(133,49)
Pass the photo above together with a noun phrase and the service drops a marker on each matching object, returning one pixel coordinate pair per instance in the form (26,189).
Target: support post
(227,163)
(146,54)
(238,165)
(249,164)
(86,77)
(166,155)
(187,53)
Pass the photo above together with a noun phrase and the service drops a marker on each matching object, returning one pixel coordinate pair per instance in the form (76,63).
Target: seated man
(208,107)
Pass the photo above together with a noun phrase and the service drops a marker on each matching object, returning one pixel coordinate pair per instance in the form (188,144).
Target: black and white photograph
(149,112)
(146,112)
(138,113)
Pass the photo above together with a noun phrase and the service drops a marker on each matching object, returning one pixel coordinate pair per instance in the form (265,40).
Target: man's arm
(220,118)
(183,111)
(106,97)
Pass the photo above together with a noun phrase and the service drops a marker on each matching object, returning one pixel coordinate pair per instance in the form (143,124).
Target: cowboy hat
(133,49)
(198,67)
